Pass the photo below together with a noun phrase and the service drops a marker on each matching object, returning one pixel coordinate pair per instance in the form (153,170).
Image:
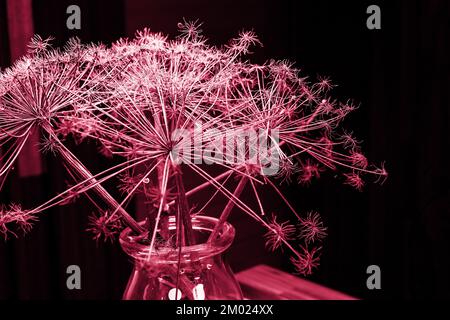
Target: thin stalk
(163,189)
(217,178)
(204,185)
(183,209)
(84,173)
(164,216)
(179,243)
(226,212)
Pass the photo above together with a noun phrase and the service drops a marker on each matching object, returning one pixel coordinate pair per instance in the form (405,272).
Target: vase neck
(163,253)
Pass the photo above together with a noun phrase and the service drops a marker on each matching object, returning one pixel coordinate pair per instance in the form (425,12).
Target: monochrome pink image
(166,108)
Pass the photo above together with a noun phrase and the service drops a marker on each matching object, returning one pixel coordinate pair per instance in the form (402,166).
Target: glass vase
(197,272)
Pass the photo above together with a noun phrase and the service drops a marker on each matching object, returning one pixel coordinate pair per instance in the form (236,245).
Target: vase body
(197,272)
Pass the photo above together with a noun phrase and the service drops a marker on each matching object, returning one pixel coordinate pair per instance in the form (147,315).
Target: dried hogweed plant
(165,106)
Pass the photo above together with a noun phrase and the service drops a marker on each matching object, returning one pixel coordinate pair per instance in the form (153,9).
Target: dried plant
(146,100)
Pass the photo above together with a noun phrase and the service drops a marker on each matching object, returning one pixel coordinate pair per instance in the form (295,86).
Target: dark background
(398,74)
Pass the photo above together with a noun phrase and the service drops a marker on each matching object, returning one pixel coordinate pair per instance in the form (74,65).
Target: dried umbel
(168,106)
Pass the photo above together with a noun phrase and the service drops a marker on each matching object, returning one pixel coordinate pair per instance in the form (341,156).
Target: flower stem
(84,173)
(183,209)
(226,212)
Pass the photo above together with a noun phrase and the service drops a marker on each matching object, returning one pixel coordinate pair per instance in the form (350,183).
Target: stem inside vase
(201,273)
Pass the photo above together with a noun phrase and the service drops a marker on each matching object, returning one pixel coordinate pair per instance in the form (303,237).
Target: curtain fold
(20,31)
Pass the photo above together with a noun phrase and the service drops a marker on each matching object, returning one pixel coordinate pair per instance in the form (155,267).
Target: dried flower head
(306,261)
(312,228)
(104,225)
(354,179)
(13,218)
(38,45)
(278,234)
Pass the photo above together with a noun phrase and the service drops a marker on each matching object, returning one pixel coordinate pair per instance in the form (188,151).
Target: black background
(398,74)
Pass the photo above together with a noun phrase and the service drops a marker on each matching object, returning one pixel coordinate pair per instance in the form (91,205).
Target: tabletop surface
(263,282)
